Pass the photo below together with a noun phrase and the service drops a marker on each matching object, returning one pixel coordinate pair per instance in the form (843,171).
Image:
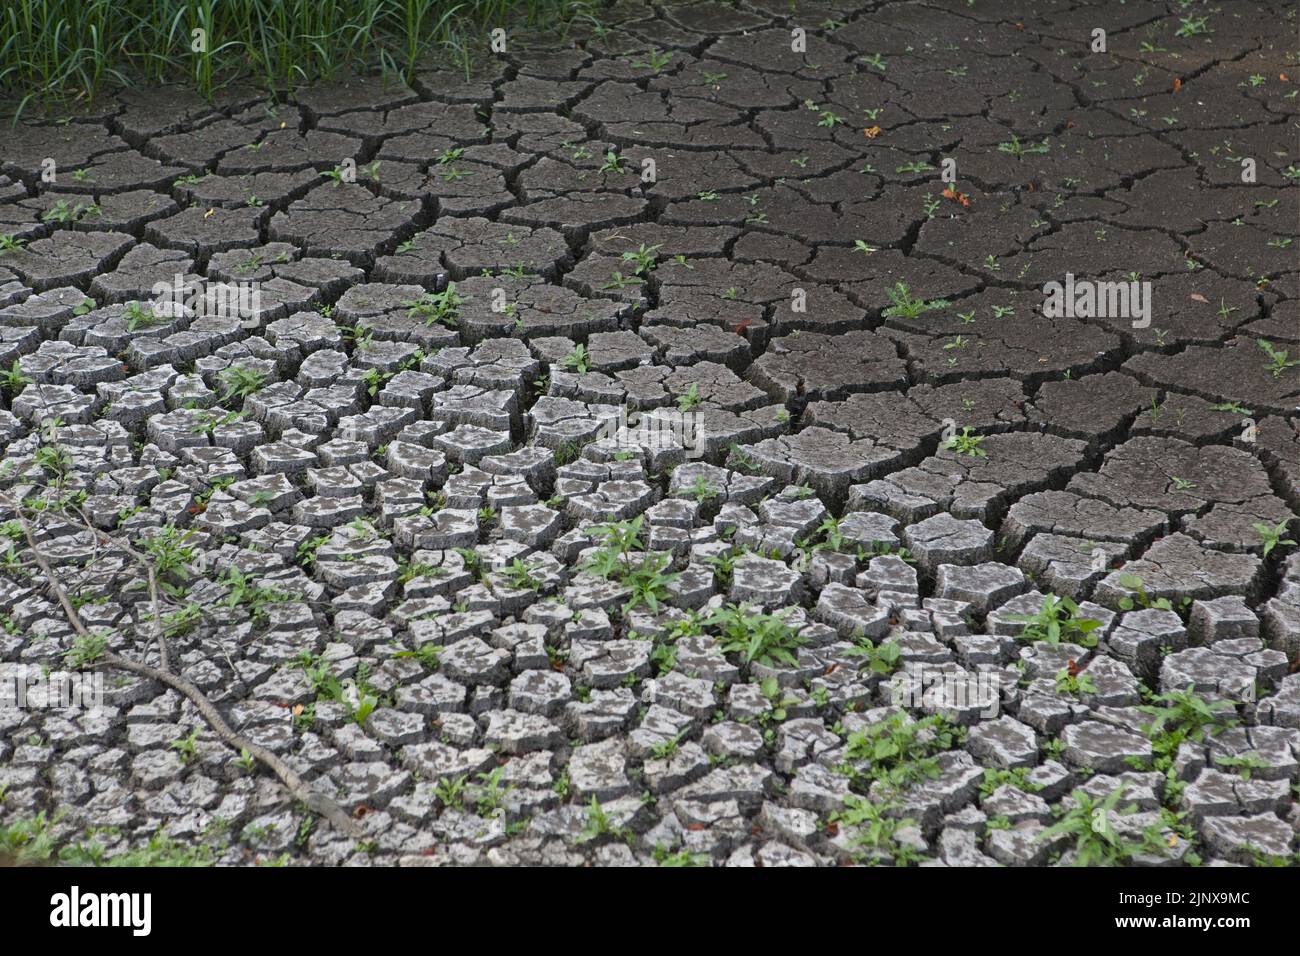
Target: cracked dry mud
(390,469)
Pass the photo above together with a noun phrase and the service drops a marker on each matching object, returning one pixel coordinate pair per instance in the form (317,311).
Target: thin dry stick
(314,800)
(160,635)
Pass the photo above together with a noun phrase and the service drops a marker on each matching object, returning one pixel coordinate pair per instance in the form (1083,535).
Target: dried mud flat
(380,497)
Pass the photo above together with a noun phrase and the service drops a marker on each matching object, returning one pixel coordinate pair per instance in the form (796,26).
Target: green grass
(57,51)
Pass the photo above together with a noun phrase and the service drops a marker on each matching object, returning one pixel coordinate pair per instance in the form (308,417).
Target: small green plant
(450,792)
(1279,360)
(614,163)
(702,490)
(187,746)
(1183,715)
(1243,764)
(756,636)
(1088,822)
(27,841)
(655,60)
(619,281)
(1074,684)
(440,308)
(966,442)
(901,751)
(598,824)
(14,381)
(1190,26)
(86,651)
(138,317)
(690,399)
(1020,150)
(643,258)
(240,382)
(668,748)
(647,578)
(997,777)
(882,658)
(1057,621)
(1140,597)
(1271,535)
(183,620)
(738,459)
(519,575)
(875,826)
(578,360)
(244,591)
(426,655)
(904,306)
(9,243)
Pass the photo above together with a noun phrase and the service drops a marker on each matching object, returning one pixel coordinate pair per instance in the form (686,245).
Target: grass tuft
(58,52)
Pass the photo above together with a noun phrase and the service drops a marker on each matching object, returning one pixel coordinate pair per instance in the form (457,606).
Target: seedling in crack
(702,490)
(643,258)
(1074,684)
(1057,621)
(519,575)
(906,307)
(241,382)
(646,578)
(1020,150)
(875,827)
(1182,716)
(339,174)
(441,308)
(614,163)
(1279,360)
(578,360)
(757,636)
(599,825)
(138,317)
(9,243)
(1271,535)
(14,381)
(1088,822)
(902,751)
(619,281)
(1140,597)
(882,658)
(655,60)
(1190,26)
(691,399)
(966,442)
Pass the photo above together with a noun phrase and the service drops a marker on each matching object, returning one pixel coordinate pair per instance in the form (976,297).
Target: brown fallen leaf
(1178,84)
(297,710)
(1197,297)
(871,132)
